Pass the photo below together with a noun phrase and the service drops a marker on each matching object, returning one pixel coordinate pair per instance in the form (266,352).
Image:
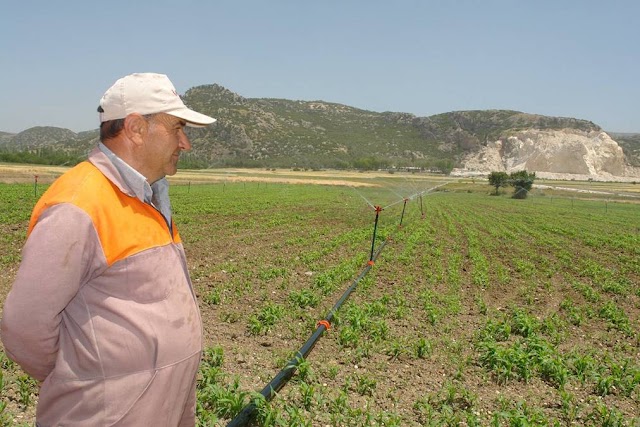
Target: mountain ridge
(275,132)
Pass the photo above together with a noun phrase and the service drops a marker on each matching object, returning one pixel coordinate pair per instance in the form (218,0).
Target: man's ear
(136,128)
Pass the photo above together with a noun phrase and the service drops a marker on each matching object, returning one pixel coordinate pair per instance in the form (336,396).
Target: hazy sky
(566,58)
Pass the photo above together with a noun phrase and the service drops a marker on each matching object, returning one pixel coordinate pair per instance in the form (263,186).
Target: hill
(5,136)
(269,132)
(47,145)
(630,144)
(281,132)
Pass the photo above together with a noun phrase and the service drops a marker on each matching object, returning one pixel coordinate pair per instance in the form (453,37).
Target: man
(102,311)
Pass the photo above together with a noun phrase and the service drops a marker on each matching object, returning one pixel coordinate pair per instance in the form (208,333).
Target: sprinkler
(403,209)
(378,209)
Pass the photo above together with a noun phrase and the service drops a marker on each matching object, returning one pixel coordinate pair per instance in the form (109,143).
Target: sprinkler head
(377,208)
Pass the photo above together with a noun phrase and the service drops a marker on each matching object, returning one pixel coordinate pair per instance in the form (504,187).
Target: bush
(522,181)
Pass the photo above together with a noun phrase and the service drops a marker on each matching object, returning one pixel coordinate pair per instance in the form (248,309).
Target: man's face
(164,141)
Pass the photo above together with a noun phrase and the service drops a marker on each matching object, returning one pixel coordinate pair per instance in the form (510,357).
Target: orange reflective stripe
(124,224)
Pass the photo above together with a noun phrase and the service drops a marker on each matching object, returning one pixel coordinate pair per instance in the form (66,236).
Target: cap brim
(193,118)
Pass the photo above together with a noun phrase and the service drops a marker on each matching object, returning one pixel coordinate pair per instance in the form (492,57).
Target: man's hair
(112,128)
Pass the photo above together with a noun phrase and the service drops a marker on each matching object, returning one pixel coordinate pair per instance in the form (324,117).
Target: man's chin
(171,170)
(173,166)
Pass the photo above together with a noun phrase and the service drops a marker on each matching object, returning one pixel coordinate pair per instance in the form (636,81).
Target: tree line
(41,156)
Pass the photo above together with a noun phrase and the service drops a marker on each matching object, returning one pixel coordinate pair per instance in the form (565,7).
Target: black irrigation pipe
(270,390)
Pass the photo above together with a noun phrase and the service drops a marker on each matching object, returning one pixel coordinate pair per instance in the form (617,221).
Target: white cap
(147,93)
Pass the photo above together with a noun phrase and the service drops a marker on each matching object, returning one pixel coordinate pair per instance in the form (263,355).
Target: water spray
(363,198)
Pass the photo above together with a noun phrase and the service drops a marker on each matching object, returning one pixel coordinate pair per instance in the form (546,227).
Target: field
(479,310)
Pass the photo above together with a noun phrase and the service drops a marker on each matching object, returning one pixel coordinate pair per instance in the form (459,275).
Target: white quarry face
(561,154)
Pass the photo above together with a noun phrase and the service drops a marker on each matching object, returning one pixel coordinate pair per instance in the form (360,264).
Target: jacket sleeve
(57,259)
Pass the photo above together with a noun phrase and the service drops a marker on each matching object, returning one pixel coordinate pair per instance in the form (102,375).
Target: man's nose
(184,144)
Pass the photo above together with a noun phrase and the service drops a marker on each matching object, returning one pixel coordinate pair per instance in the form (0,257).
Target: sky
(566,58)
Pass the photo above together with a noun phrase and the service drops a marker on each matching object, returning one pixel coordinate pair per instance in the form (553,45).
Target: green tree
(445,166)
(498,179)
(370,163)
(522,181)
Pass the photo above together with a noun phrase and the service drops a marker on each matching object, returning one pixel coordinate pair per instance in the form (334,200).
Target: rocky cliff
(566,153)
